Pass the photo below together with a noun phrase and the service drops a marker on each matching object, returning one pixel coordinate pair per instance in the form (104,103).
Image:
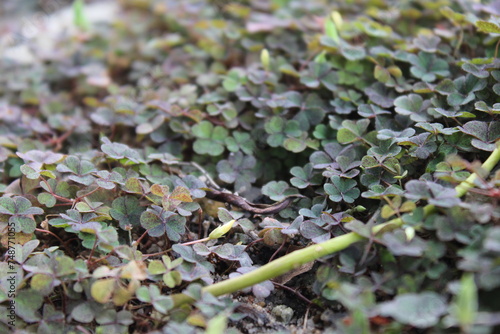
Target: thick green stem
(283,264)
(298,258)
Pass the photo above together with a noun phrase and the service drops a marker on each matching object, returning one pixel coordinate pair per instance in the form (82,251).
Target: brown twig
(57,237)
(298,294)
(278,250)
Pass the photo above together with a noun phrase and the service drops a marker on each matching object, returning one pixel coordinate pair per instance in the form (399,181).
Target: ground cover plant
(202,166)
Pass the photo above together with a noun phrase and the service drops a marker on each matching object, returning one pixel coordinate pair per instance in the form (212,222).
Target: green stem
(298,258)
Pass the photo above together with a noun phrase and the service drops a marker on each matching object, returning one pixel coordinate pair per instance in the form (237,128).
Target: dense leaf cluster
(112,135)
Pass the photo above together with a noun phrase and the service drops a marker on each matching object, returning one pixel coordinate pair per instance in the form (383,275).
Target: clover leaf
(109,180)
(151,294)
(398,243)
(381,95)
(352,131)
(127,210)
(433,192)
(341,189)
(260,290)
(464,89)
(37,159)
(287,100)
(304,176)
(80,170)
(485,134)
(20,211)
(158,222)
(312,111)
(238,169)
(414,106)
(370,110)
(420,310)
(119,151)
(240,141)
(233,80)
(428,67)
(279,129)
(322,159)
(423,145)
(345,167)
(479,71)
(317,74)
(315,233)
(278,190)
(210,139)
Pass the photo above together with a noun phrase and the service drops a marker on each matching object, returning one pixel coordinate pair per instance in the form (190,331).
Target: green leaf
(233,80)
(476,70)
(46,199)
(203,129)
(120,151)
(420,310)
(277,191)
(433,192)
(217,324)
(331,30)
(413,105)
(83,312)
(28,302)
(465,305)
(238,169)
(294,145)
(221,230)
(352,130)
(492,241)
(489,27)
(30,172)
(342,189)
(127,211)
(304,177)
(37,159)
(159,222)
(274,125)
(210,139)
(240,141)
(79,18)
(371,110)
(427,67)
(353,53)
(398,244)
(23,224)
(485,134)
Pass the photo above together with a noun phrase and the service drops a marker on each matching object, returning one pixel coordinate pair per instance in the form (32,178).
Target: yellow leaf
(221,230)
(102,290)
(159,190)
(134,270)
(181,194)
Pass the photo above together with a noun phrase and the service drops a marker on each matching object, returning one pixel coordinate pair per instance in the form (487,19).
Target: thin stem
(278,250)
(57,237)
(78,199)
(202,170)
(459,42)
(140,238)
(92,251)
(155,254)
(298,294)
(488,165)
(195,241)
